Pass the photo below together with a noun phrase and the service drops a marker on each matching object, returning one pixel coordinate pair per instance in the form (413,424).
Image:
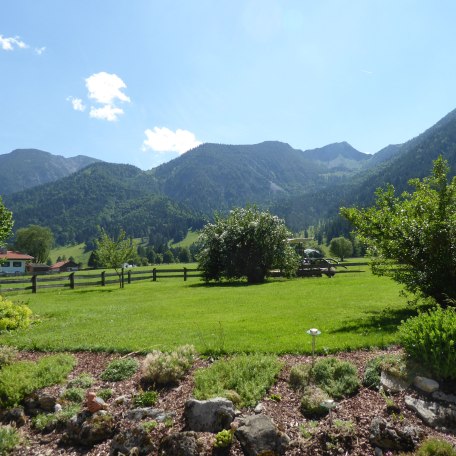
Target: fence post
(34,283)
(122,278)
(71,277)
(103,278)
(185,274)
(154,274)
(128,276)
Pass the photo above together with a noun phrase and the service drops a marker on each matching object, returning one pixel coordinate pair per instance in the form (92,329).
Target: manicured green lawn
(352,310)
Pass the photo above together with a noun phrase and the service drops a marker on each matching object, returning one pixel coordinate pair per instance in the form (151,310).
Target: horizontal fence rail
(74,280)
(128,276)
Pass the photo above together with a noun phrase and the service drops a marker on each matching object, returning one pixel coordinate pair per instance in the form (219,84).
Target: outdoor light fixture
(314,332)
(329,404)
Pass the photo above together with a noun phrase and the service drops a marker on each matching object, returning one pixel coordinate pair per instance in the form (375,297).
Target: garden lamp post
(329,404)
(314,332)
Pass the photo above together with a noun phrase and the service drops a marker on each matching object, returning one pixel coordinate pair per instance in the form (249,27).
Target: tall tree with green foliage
(113,253)
(341,247)
(35,240)
(412,238)
(247,243)
(6,223)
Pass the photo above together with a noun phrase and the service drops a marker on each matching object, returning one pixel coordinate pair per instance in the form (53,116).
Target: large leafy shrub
(430,339)
(23,377)
(13,316)
(160,368)
(250,376)
(248,243)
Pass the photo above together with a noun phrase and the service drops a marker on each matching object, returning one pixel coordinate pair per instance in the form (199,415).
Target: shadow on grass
(385,321)
(233,284)
(97,290)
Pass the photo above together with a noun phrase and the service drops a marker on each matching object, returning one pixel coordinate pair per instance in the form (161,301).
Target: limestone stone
(132,441)
(212,415)
(258,435)
(388,436)
(425,384)
(392,383)
(141,413)
(433,413)
(88,429)
(180,444)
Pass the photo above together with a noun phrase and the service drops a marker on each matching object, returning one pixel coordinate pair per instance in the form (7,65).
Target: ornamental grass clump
(161,369)
(13,316)
(9,439)
(436,447)
(430,340)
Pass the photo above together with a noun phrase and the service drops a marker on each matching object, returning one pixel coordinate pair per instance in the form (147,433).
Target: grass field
(352,311)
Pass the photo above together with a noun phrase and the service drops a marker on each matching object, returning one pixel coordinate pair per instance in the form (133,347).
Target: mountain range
(304,187)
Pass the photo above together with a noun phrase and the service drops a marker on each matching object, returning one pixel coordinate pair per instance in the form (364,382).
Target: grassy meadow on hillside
(352,311)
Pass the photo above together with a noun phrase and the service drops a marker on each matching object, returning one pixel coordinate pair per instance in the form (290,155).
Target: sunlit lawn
(352,310)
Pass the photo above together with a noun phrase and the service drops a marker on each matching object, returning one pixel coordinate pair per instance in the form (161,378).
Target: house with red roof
(13,263)
(64,266)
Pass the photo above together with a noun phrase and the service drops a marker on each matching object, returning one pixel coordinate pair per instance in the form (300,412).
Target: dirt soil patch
(282,404)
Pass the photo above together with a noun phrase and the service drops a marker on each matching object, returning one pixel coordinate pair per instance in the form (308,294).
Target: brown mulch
(281,404)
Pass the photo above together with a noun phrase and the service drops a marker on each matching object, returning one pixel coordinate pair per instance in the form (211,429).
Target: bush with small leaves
(13,316)
(430,340)
(76,395)
(120,369)
(224,438)
(81,381)
(149,426)
(311,401)
(436,447)
(397,366)
(7,355)
(47,422)
(160,368)
(145,399)
(105,393)
(338,378)
(9,439)
(372,372)
(300,376)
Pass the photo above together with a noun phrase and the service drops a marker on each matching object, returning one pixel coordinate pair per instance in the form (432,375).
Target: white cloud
(77,103)
(40,50)
(8,44)
(162,139)
(106,88)
(106,112)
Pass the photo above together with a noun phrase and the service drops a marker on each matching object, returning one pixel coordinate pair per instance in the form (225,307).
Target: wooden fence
(73,280)
(128,276)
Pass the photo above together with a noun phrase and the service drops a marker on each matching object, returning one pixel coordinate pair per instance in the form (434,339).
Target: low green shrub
(308,429)
(47,422)
(397,366)
(300,376)
(223,439)
(145,399)
(249,375)
(23,377)
(7,355)
(160,368)
(436,447)
(83,380)
(149,426)
(9,439)
(13,316)
(76,395)
(120,369)
(311,401)
(338,378)
(372,372)
(430,339)
(105,393)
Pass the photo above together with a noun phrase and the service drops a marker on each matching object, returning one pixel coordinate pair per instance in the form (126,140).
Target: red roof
(11,255)
(59,264)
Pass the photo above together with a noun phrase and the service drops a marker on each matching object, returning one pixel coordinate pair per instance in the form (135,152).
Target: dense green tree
(113,253)
(341,247)
(6,223)
(36,241)
(412,238)
(168,257)
(184,255)
(247,243)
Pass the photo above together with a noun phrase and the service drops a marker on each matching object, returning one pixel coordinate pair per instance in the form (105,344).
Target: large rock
(433,413)
(132,441)
(426,385)
(441,396)
(392,383)
(389,437)
(88,430)
(14,415)
(180,444)
(258,435)
(212,415)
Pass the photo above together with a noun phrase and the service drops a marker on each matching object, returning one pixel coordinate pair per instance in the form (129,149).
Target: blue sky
(142,81)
